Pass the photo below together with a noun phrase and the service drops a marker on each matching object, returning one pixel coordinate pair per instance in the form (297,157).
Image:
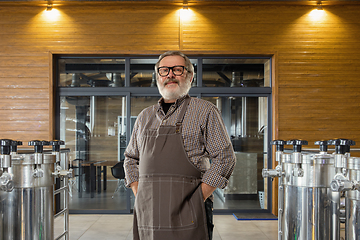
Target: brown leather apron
(169,204)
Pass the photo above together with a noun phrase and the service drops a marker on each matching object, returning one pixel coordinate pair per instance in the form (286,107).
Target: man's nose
(171,74)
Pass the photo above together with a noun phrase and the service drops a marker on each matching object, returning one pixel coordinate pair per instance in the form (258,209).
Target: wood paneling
(316,62)
(27,36)
(317,68)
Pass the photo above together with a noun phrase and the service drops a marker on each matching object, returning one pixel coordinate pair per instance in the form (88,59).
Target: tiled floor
(119,227)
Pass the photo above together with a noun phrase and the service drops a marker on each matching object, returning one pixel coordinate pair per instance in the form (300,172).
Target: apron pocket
(169,203)
(144,205)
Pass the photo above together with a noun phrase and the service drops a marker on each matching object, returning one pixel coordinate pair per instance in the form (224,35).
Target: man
(167,162)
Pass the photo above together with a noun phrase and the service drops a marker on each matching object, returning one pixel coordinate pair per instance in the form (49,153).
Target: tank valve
(323,146)
(342,153)
(279,145)
(13,146)
(56,149)
(5,157)
(297,145)
(279,149)
(341,183)
(6,179)
(277,172)
(39,158)
(6,182)
(59,172)
(269,173)
(342,146)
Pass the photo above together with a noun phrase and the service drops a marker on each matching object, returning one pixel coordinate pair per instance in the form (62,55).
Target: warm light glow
(52,15)
(317,15)
(185,14)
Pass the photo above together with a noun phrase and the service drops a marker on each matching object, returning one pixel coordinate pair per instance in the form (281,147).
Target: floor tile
(119,227)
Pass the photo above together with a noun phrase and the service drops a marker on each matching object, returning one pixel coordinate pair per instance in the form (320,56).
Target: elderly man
(167,162)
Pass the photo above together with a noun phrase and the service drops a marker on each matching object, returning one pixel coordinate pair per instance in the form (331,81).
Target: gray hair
(188,64)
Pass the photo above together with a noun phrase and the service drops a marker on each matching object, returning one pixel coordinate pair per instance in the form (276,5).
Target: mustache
(171,80)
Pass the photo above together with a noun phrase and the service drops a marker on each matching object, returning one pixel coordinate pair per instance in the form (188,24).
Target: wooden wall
(316,62)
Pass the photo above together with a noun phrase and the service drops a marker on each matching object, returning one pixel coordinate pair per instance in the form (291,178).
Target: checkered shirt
(204,136)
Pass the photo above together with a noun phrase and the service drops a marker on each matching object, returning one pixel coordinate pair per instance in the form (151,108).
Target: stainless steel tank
(28,209)
(352,201)
(348,181)
(309,204)
(27,190)
(307,209)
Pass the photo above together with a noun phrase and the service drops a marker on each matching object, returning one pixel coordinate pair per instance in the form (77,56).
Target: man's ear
(192,77)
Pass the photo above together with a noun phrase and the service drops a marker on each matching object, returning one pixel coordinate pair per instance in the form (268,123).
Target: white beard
(182,90)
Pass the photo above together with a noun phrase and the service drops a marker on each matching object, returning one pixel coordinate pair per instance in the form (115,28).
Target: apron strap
(182,114)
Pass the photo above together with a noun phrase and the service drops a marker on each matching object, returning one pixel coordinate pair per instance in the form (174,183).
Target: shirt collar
(177,103)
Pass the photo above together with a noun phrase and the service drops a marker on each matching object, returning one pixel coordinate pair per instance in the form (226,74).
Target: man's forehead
(172,60)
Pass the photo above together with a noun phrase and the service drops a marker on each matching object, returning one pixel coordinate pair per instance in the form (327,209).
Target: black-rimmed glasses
(177,70)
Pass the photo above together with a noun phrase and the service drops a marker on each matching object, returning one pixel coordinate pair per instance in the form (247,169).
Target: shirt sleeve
(220,149)
(131,162)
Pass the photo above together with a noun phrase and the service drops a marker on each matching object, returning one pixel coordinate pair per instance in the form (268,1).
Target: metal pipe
(57,191)
(62,235)
(61,212)
(243,117)
(92,114)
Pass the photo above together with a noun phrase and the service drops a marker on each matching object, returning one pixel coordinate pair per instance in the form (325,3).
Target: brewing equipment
(310,190)
(352,201)
(348,181)
(27,189)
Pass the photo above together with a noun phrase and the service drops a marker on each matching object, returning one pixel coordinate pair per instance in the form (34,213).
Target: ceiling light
(49,7)
(319,6)
(185,5)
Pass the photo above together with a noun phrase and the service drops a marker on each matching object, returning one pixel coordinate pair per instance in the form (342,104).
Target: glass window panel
(142,73)
(236,73)
(91,72)
(245,119)
(94,130)
(195,64)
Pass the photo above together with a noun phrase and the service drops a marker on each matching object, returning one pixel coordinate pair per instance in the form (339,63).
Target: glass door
(247,124)
(94,128)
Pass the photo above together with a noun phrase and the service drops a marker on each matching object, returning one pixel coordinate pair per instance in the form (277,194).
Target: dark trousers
(209,217)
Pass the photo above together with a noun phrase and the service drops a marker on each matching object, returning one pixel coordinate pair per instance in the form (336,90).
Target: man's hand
(134,187)
(207,190)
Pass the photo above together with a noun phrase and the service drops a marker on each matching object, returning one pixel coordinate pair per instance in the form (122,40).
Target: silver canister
(310,207)
(27,211)
(352,201)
